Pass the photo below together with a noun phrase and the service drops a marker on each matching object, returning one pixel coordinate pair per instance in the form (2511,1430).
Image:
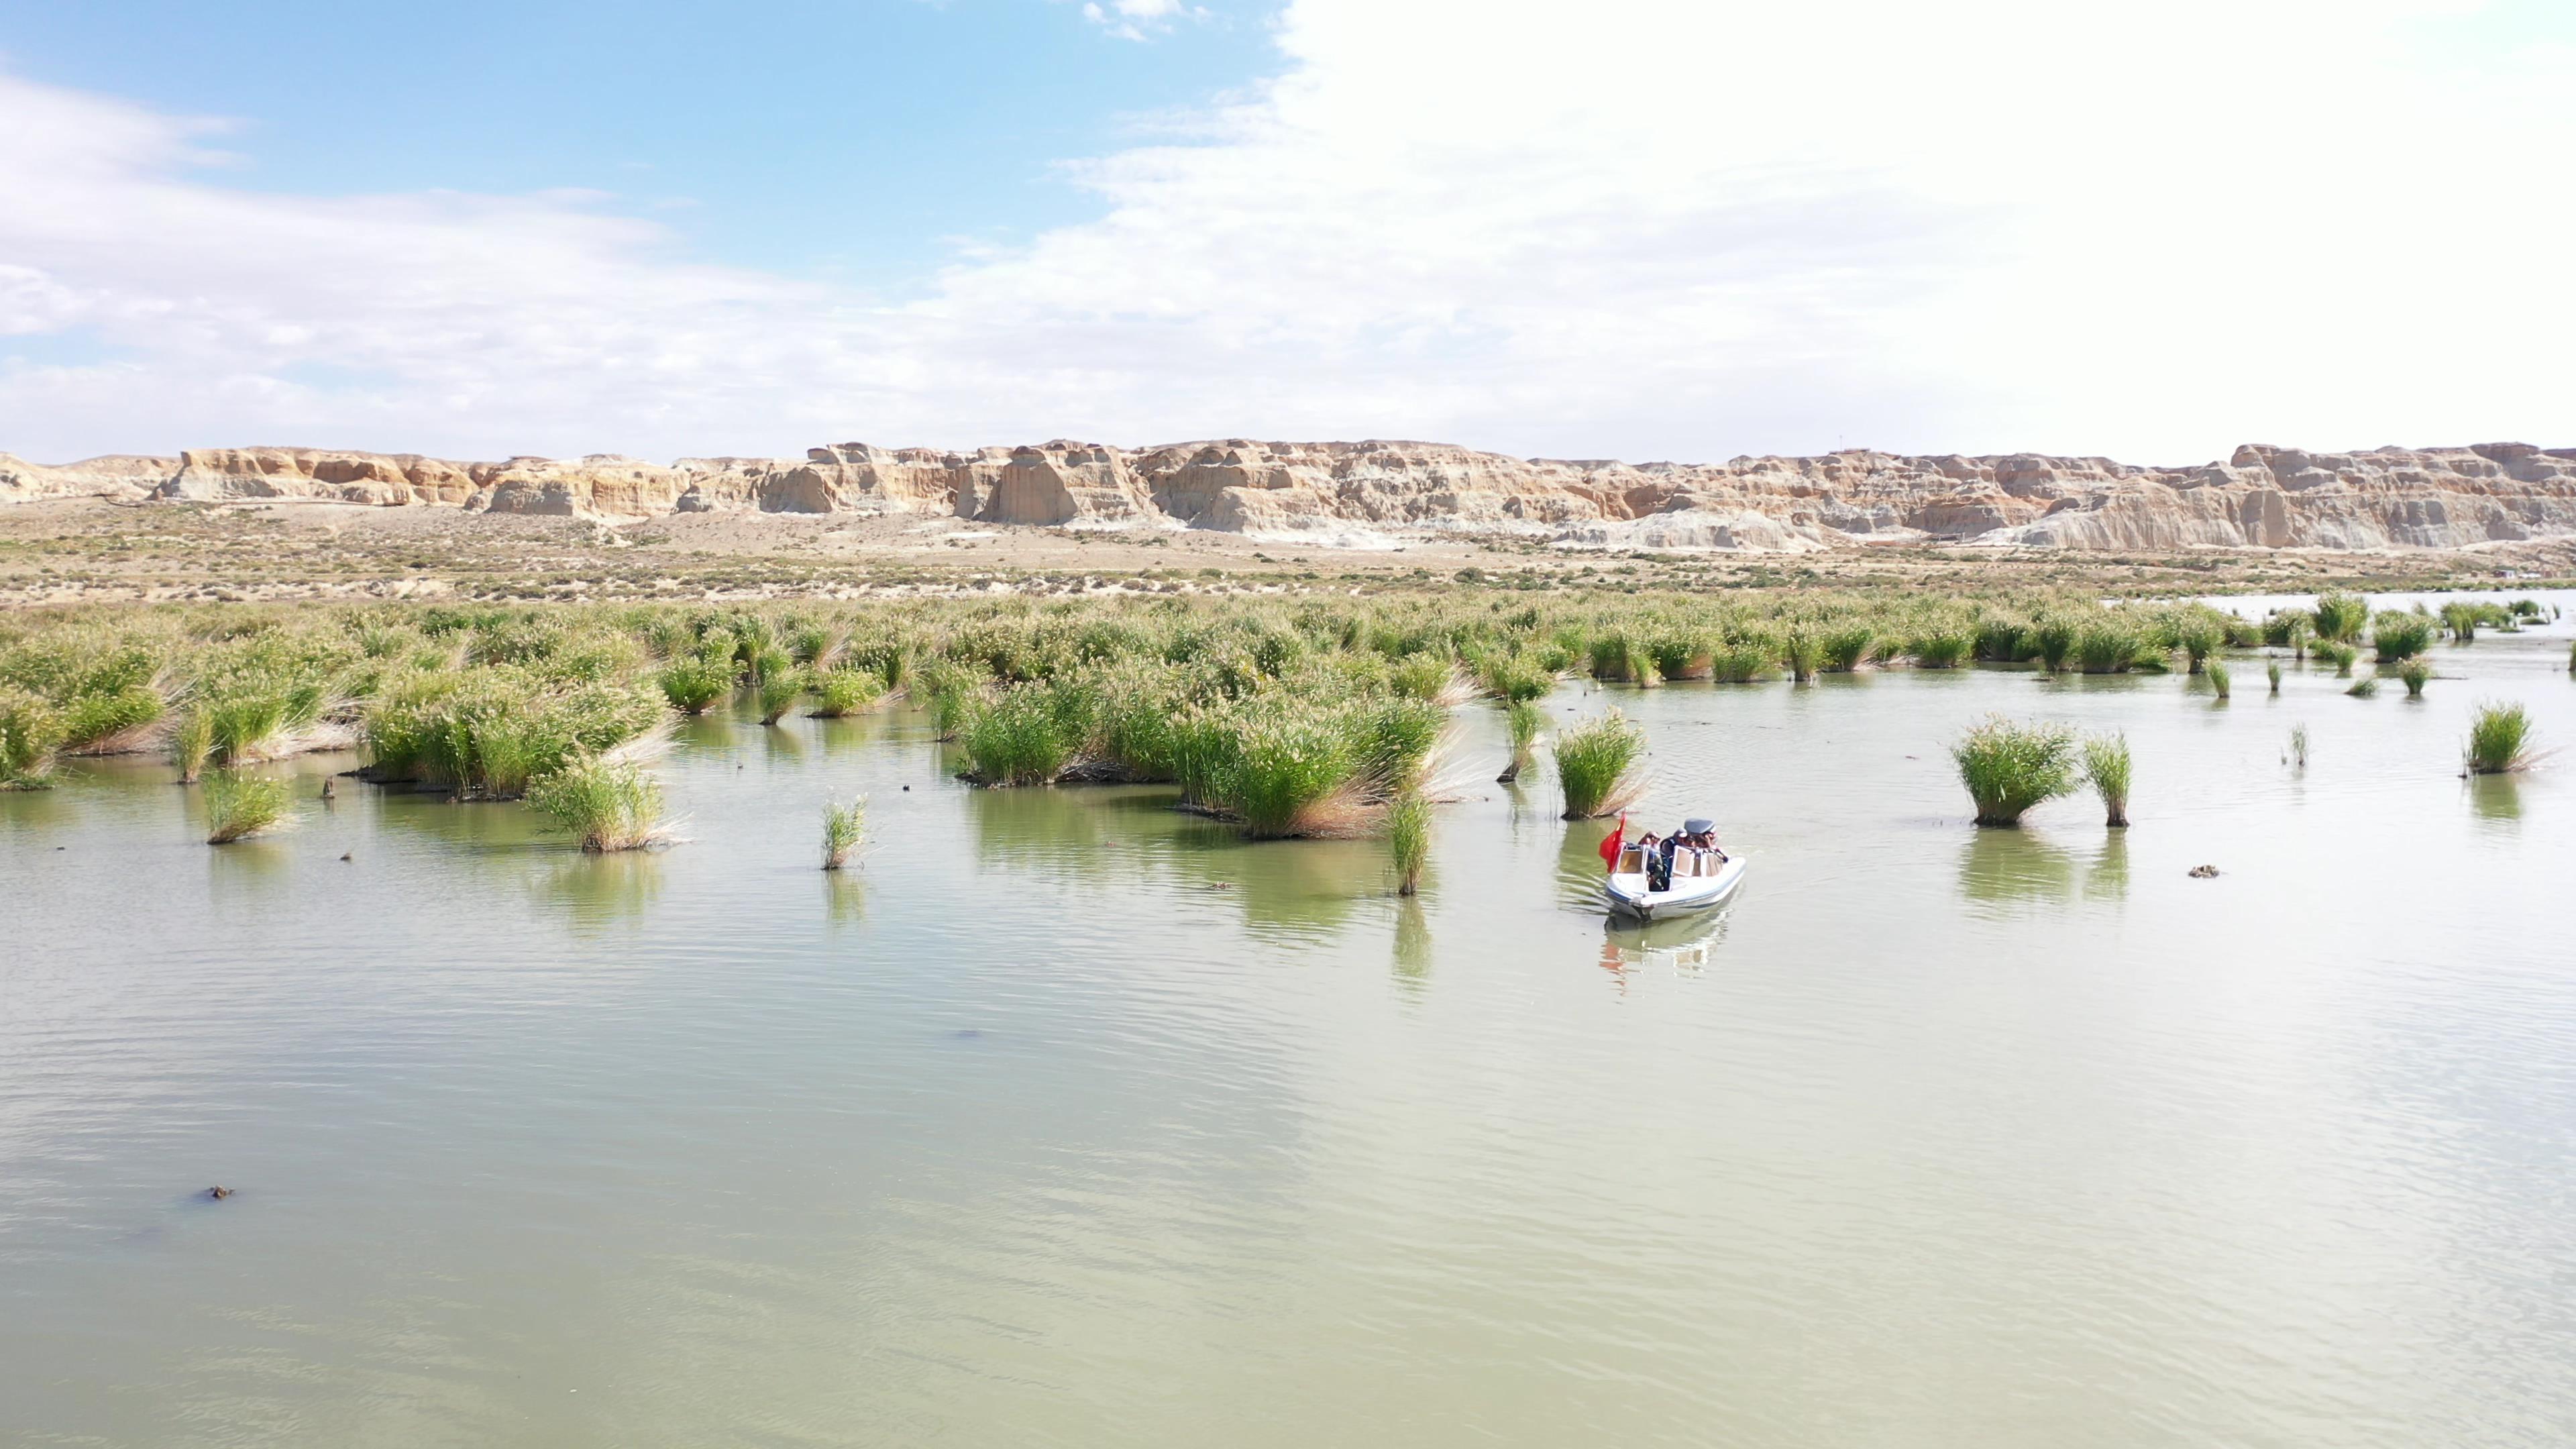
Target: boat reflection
(1684,945)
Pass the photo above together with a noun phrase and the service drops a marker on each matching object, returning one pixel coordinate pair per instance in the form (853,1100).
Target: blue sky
(854,139)
(1645,229)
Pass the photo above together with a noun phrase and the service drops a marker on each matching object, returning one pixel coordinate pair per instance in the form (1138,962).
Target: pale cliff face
(2262,496)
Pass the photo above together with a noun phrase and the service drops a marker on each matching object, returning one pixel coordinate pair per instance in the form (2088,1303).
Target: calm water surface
(1070,1120)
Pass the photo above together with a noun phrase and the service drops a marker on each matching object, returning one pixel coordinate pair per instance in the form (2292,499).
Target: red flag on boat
(1611,843)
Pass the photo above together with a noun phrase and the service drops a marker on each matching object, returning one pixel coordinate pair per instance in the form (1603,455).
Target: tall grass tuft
(1282,769)
(2009,767)
(2272,670)
(239,806)
(1408,839)
(1595,765)
(2499,739)
(2053,638)
(1942,648)
(608,805)
(2199,636)
(2219,678)
(192,742)
(1847,649)
(1743,661)
(2397,636)
(1525,720)
(2462,620)
(111,722)
(842,692)
(2365,688)
(31,730)
(2338,654)
(778,691)
(2414,672)
(1803,653)
(1017,739)
(2107,647)
(2296,756)
(693,685)
(2340,617)
(2106,767)
(843,826)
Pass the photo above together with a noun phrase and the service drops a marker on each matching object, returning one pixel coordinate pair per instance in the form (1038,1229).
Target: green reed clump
(1595,765)
(490,733)
(2272,671)
(842,692)
(2341,617)
(778,691)
(2052,639)
(31,731)
(843,827)
(1942,648)
(1280,774)
(2106,768)
(2219,678)
(1678,654)
(239,806)
(112,722)
(1525,721)
(1422,676)
(2414,673)
(2298,629)
(2296,756)
(192,741)
(1803,653)
(262,718)
(1846,649)
(696,683)
(2003,640)
(1743,661)
(2106,647)
(2199,636)
(1517,678)
(2008,767)
(1408,839)
(2399,636)
(607,805)
(2364,688)
(1018,738)
(2462,619)
(1623,658)
(950,691)
(2338,654)
(2571,657)
(2499,739)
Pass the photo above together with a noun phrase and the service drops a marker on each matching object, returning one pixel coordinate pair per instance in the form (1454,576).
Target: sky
(1621,228)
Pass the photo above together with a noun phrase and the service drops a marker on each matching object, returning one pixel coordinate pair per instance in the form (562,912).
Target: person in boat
(1659,865)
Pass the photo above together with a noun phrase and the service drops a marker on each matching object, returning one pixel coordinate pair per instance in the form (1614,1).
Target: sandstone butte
(1358,494)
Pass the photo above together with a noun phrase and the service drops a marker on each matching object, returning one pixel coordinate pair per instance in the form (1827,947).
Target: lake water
(1072,1120)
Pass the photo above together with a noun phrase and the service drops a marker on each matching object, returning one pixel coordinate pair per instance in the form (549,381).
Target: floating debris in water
(219,1192)
(2204,872)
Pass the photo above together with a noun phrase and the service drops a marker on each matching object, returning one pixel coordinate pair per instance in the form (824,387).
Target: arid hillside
(1374,495)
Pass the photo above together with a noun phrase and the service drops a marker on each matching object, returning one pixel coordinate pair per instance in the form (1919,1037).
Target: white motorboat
(1701,880)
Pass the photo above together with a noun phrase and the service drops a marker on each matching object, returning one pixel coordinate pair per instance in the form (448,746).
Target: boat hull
(1628,897)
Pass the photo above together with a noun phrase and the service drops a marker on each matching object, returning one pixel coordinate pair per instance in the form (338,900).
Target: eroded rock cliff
(1327,493)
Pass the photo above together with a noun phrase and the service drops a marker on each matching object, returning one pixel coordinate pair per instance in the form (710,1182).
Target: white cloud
(1633,229)
(1139,19)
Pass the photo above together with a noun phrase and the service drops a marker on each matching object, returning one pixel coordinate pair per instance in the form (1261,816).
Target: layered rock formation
(1327,493)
